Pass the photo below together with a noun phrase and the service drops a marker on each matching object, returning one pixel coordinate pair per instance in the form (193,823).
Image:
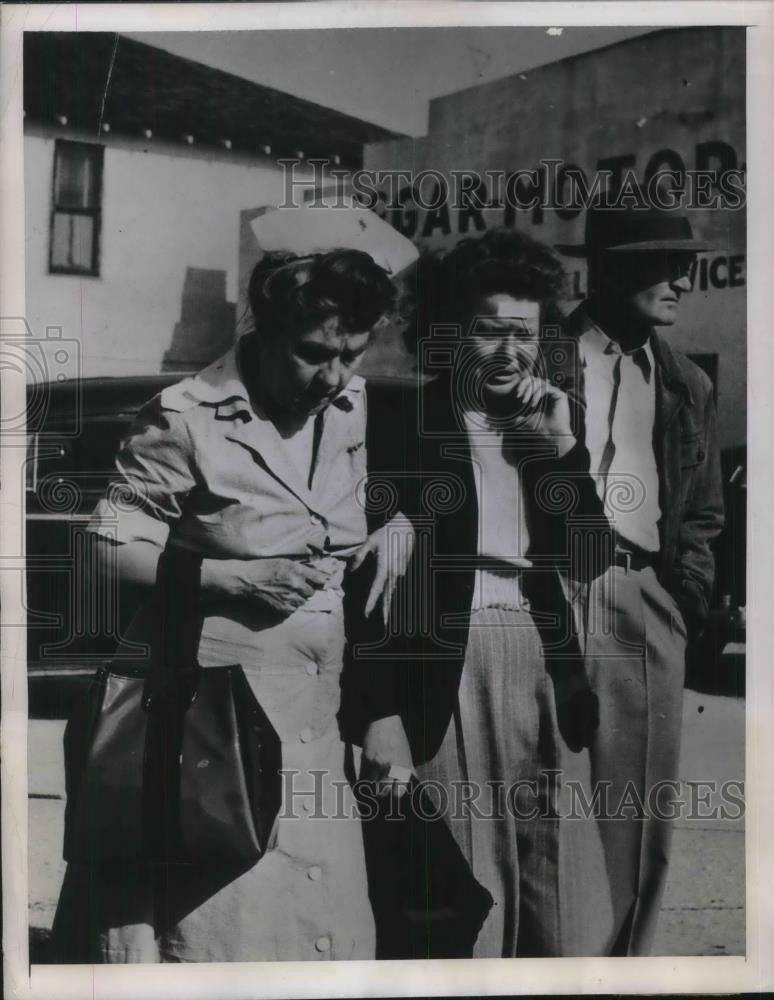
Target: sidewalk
(703,911)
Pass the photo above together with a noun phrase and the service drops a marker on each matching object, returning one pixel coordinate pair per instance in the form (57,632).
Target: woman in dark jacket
(485,693)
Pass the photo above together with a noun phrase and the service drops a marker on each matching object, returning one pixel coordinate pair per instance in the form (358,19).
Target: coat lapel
(447,449)
(672,392)
(668,403)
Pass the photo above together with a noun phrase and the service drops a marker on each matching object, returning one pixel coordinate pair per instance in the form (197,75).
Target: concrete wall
(663,99)
(167,290)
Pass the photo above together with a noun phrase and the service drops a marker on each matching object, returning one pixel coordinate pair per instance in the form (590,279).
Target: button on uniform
(323,943)
(314,873)
(306,735)
(311,668)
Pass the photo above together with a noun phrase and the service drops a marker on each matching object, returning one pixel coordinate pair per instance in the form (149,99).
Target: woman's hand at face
(283,585)
(545,409)
(392,545)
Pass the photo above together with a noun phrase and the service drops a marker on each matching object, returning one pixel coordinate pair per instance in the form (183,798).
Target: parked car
(72,626)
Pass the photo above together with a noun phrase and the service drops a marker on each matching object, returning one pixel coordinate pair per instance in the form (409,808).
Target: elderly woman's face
(303,370)
(502,341)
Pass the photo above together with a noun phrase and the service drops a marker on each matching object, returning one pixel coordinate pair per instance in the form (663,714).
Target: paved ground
(703,911)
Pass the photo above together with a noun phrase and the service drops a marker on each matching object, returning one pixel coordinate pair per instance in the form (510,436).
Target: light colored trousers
(546,875)
(634,639)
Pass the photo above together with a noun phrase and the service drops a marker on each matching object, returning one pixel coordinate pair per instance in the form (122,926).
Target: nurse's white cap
(311,229)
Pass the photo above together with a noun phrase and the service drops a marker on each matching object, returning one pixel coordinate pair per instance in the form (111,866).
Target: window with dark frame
(76,208)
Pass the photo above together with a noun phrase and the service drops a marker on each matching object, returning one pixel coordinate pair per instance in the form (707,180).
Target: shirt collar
(595,344)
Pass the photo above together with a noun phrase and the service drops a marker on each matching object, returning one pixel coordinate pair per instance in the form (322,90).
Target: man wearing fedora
(650,428)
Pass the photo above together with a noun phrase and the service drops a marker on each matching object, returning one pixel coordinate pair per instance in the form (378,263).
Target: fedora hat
(631,229)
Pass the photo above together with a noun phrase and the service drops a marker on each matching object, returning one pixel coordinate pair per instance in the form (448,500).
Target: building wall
(167,291)
(664,99)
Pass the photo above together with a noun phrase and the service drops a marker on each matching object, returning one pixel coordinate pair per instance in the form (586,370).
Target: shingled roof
(71,73)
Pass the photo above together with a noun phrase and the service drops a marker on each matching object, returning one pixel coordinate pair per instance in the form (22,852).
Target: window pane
(76,175)
(72,243)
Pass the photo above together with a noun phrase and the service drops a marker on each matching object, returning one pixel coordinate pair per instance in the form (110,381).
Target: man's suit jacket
(420,463)
(685,443)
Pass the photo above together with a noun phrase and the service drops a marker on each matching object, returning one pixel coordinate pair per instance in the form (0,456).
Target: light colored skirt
(307,898)
(546,875)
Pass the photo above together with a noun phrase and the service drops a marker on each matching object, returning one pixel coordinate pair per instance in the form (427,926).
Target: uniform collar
(221,388)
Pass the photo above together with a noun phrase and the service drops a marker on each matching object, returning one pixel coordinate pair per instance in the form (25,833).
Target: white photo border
(722,974)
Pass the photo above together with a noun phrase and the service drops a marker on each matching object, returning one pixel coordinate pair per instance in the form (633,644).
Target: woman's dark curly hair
(503,261)
(287,292)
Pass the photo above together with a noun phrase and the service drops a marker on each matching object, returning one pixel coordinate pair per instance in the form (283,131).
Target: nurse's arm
(283,585)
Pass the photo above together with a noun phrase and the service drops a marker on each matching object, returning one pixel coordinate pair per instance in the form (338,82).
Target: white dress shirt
(620,395)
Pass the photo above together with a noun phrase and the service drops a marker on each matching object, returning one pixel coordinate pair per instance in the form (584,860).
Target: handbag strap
(178,592)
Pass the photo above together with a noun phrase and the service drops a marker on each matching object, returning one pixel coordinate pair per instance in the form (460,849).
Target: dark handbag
(173,765)
(426,901)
